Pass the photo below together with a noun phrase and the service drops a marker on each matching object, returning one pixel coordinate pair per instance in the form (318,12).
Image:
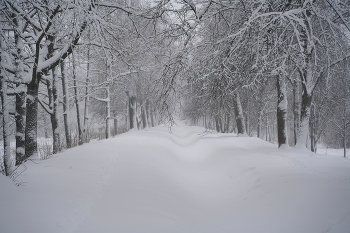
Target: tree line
(278,70)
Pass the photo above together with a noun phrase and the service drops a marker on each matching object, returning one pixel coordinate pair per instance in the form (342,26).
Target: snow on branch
(150,13)
(337,10)
(23,14)
(54,60)
(45,107)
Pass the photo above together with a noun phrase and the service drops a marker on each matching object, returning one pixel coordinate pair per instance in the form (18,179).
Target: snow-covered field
(153,181)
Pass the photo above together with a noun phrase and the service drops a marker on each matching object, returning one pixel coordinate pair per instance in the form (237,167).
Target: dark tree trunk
(227,122)
(345,136)
(138,113)
(115,123)
(144,115)
(151,110)
(313,129)
(108,114)
(31,146)
(217,124)
(221,122)
(259,125)
(308,84)
(20,118)
(282,112)
(132,111)
(148,113)
(127,111)
(65,105)
(296,110)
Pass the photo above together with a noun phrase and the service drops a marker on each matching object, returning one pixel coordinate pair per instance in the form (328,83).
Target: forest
(74,71)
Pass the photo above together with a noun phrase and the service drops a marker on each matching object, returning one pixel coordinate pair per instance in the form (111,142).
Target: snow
(186,181)
(331,151)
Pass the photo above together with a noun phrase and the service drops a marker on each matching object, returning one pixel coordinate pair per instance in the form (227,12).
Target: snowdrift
(184,181)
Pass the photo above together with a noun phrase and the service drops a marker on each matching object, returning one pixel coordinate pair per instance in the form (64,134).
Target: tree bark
(87,97)
(54,117)
(31,145)
(8,159)
(20,115)
(222,124)
(217,124)
(144,115)
(65,105)
(227,122)
(345,132)
(239,115)
(108,115)
(259,124)
(76,98)
(115,123)
(282,112)
(151,110)
(148,113)
(308,84)
(306,100)
(20,118)
(138,113)
(132,112)
(296,110)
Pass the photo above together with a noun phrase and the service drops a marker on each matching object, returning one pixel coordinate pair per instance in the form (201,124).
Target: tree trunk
(296,110)
(65,105)
(144,116)
(87,97)
(20,115)
(115,123)
(259,124)
(217,125)
(75,83)
(31,145)
(344,137)
(54,116)
(282,112)
(20,118)
(151,110)
(306,100)
(308,85)
(345,123)
(8,159)
(227,122)
(138,112)
(247,122)
(312,130)
(148,113)
(108,113)
(132,112)
(127,125)
(239,115)
(267,128)
(222,124)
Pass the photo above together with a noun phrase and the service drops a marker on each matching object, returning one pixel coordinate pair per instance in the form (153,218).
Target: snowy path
(153,181)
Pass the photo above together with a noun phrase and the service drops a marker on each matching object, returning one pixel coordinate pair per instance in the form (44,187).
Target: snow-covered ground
(153,181)
(330,151)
